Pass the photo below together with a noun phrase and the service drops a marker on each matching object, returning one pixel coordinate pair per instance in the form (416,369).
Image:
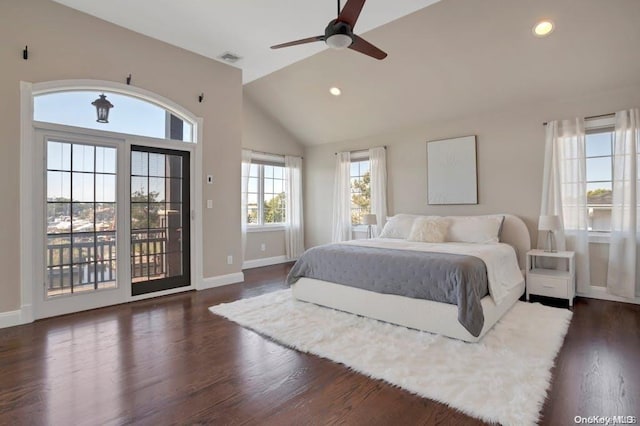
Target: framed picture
(452,176)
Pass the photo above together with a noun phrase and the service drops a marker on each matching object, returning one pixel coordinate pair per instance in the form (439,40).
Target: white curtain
(564,192)
(378,167)
(294,233)
(246,167)
(622,276)
(342,198)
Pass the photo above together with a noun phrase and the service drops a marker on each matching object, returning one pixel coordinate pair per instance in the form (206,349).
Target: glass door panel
(160,257)
(81,218)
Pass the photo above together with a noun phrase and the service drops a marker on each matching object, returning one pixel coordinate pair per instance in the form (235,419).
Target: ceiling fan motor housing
(338,35)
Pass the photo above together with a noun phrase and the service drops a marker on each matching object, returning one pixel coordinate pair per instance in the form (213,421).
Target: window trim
(261,160)
(267,228)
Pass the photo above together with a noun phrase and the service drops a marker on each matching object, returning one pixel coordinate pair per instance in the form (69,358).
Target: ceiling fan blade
(361,45)
(350,12)
(303,41)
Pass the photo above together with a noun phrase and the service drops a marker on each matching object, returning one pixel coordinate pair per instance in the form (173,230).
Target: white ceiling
(246,28)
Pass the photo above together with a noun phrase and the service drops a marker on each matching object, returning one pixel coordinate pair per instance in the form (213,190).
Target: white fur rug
(503,378)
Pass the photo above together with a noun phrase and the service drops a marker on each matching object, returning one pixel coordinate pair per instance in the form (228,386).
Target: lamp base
(550,246)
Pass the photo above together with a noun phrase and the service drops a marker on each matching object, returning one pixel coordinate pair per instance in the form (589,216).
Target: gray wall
(261,132)
(66,44)
(510,150)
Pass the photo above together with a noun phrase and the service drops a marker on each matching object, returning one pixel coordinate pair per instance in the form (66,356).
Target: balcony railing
(87,265)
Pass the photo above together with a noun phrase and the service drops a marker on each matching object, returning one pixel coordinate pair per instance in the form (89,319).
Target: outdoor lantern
(102,108)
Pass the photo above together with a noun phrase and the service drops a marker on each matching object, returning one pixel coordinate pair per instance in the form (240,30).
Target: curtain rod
(591,117)
(360,150)
(271,153)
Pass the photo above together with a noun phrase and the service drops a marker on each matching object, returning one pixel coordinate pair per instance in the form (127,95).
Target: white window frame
(594,125)
(355,157)
(276,160)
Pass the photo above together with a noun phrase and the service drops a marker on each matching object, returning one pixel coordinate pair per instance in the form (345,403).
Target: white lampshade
(549,223)
(369,219)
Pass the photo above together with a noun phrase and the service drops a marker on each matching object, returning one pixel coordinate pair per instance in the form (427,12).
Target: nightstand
(560,282)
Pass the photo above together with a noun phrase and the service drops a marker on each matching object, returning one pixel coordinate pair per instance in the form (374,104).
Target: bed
(417,312)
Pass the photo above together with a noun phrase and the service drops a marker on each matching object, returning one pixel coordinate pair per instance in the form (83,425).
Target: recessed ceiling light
(543,28)
(335,91)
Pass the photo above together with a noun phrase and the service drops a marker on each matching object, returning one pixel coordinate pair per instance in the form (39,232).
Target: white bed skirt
(426,315)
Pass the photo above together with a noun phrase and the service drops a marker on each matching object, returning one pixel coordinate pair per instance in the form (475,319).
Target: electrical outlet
(209,204)
(263,247)
(229,260)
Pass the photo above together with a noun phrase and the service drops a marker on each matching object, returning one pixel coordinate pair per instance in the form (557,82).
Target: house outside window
(360,188)
(599,174)
(266,194)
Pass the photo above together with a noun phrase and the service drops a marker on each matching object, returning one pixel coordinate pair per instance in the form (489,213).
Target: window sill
(599,238)
(266,228)
(359,228)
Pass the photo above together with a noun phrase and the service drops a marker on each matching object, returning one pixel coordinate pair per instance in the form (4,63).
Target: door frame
(31,172)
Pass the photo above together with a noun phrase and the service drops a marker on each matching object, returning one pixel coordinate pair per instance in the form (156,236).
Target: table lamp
(369,219)
(549,224)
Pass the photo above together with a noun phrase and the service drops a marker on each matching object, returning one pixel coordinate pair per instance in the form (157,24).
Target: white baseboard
(601,293)
(19,317)
(220,280)
(27,314)
(267,261)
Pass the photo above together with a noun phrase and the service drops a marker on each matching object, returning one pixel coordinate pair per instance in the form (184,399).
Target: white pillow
(398,226)
(429,229)
(475,229)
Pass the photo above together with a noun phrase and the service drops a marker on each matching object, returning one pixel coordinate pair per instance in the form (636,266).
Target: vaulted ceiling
(246,28)
(449,60)
(453,59)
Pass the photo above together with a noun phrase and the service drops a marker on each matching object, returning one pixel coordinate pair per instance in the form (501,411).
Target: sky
(128,115)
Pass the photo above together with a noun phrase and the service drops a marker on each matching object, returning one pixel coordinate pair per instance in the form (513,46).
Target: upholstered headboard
(516,233)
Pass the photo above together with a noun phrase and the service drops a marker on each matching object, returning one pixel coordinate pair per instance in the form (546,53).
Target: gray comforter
(448,278)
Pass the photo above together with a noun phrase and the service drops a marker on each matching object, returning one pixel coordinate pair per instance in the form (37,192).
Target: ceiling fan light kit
(339,41)
(339,33)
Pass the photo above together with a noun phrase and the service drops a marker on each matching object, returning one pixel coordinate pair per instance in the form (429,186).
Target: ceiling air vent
(232,58)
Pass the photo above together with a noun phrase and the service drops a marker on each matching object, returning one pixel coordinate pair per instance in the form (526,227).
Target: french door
(115,223)
(159,198)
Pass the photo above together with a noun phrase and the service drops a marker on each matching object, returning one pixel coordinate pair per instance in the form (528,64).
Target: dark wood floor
(170,361)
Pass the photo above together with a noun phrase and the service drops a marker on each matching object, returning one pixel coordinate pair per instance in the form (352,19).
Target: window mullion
(261,195)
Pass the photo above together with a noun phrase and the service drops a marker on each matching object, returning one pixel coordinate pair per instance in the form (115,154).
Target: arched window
(129,114)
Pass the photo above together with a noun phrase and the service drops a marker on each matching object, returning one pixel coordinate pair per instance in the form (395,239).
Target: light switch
(209,178)
(209,204)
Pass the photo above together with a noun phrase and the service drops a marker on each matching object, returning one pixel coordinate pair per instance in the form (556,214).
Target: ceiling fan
(339,33)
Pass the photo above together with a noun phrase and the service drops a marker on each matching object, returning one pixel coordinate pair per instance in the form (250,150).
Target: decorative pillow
(398,226)
(429,229)
(475,229)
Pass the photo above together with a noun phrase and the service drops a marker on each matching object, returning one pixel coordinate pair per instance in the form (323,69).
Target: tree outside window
(360,190)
